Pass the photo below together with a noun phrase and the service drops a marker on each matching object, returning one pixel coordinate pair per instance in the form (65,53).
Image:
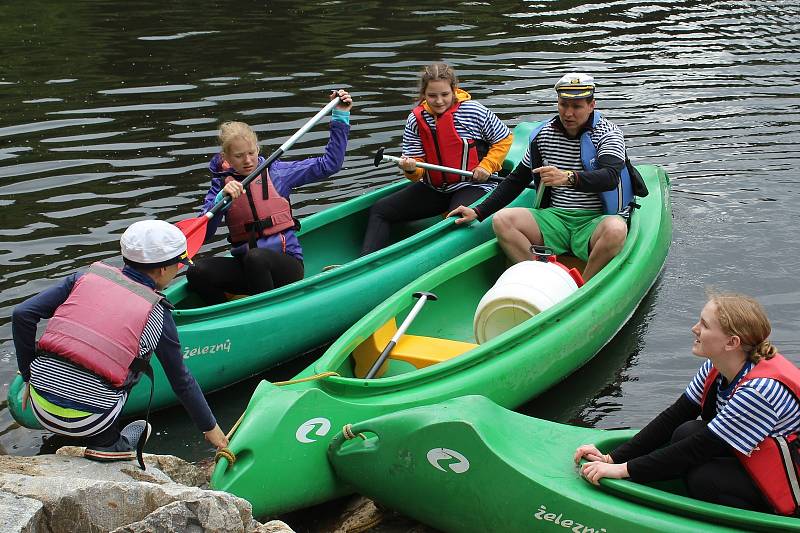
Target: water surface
(110,109)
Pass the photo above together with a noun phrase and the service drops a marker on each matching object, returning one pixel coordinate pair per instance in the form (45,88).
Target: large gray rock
(20,514)
(64,493)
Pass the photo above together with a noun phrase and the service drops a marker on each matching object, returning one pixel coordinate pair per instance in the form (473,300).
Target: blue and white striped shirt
(472,120)
(761,408)
(560,151)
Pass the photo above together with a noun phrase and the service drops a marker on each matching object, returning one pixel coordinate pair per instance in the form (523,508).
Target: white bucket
(522,291)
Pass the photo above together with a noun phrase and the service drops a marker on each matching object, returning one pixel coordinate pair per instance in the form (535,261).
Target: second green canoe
(278,454)
(226,343)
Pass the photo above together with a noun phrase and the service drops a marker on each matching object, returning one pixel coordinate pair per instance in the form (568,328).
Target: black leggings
(259,270)
(722,480)
(414,202)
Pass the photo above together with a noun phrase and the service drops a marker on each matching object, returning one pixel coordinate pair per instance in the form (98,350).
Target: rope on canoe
(347,431)
(309,378)
(226,452)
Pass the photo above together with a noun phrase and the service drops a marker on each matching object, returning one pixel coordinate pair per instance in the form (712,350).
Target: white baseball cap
(154,243)
(575,85)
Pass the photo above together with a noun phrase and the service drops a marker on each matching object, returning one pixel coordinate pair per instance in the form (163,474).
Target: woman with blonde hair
(742,451)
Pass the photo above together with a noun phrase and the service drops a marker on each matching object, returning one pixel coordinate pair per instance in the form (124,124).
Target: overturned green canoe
(470,465)
(226,343)
(280,446)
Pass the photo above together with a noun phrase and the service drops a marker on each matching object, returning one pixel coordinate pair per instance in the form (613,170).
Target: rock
(275,526)
(67,493)
(361,514)
(175,468)
(20,514)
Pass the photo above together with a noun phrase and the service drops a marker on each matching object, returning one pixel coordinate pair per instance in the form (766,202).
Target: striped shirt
(472,120)
(761,408)
(560,151)
(69,385)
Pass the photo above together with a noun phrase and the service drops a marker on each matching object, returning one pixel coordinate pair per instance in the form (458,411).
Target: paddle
(195,228)
(423,297)
(380,156)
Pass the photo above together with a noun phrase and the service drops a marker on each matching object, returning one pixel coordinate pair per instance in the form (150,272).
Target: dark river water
(109,111)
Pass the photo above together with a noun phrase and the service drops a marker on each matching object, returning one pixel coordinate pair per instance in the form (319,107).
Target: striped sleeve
(609,140)
(152,330)
(412,144)
(695,389)
(526,159)
(751,414)
(492,130)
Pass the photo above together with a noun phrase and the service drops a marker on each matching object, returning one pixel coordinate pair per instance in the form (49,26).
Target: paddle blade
(195,231)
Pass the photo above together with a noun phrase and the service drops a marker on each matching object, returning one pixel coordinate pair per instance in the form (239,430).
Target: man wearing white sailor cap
(581,159)
(104,326)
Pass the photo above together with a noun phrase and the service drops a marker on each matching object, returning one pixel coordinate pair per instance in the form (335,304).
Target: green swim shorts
(568,230)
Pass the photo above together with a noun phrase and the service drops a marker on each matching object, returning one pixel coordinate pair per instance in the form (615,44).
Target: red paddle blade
(195,231)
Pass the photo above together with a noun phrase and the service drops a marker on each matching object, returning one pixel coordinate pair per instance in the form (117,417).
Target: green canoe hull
(470,465)
(280,446)
(226,343)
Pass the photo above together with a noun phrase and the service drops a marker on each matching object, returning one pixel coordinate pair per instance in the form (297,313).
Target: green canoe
(280,446)
(226,343)
(470,465)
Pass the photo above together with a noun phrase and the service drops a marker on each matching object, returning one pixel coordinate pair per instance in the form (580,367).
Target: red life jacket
(100,324)
(774,465)
(445,148)
(258,213)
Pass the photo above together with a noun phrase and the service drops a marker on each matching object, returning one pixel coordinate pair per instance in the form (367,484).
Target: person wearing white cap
(104,326)
(581,158)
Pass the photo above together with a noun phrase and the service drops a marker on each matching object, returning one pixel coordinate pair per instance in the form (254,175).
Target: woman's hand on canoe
(591,453)
(596,470)
(465,214)
(216,437)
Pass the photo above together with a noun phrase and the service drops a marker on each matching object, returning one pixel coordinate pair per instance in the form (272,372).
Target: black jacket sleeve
(604,178)
(674,461)
(26,317)
(506,192)
(658,432)
(183,383)
(649,461)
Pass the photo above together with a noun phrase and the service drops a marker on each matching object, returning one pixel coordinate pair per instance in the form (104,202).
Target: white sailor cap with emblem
(154,243)
(575,85)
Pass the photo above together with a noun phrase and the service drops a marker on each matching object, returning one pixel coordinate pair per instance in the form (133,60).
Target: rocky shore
(65,493)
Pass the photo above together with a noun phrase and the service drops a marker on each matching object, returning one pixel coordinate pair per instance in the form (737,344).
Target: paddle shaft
(431,166)
(275,155)
(539,193)
(423,297)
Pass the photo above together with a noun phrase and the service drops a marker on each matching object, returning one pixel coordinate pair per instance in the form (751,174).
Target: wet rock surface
(67,493)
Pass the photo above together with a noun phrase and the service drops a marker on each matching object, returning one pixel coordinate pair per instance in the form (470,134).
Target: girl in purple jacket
(265,251)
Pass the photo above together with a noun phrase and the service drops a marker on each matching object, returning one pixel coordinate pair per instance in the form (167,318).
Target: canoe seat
(418,350)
